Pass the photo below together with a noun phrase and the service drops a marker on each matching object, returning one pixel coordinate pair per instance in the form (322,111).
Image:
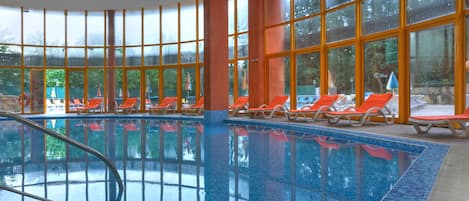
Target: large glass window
(334,3)
(418,10)
(118,21)
(188,84)
(10,80)
(188,23)
(34,56)
(279,77)
(340,24)
(277,11)
(307,78)
(170,25)
(133,84)
(10,55)
(243,78)
(95,22)
(170,54)
(11,28)
(55,28)
(379,15)
(307,7)
(96,57)
(33,27)
(381,69)
(75,28)
(95,83)
(151,27)
(152,55)
(76,89)
(188,52)
(133,27)
(151,85)
(341,73)
(308,32)
(432,71)
(169,82)
(133,56)
(55,56)
(278,39)
(76,57)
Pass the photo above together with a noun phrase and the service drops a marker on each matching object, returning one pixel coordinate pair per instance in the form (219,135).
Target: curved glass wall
(129,51)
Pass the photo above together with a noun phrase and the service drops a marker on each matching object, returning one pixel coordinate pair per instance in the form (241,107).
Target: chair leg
(418,128)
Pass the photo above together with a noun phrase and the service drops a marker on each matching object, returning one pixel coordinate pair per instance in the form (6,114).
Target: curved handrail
(23,193)
(70,141)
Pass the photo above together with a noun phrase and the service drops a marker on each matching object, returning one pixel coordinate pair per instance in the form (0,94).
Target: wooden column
(256,53)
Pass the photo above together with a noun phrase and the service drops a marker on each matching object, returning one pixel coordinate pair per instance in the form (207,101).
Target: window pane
(34,86)
(95,83)
(381,69)
(418,10)
(152,83)
(96,57)
(379,15)
(230,82)
(201,51)
(118,28)
(341,73)
(188,52)
(169,82)
(307,78)
(243,46)
(334,3)
(188,23)
(133,56)
(55,56)
(152,55)
(10,80)
(133,27)
(307,7)
(231,47)
(10,55)
(170,25)
(432,71)
(119,86)
(277,11)
(278,39)
(55,28)
(33,27)
(76,90)
(279,77)
(151,26)
(119,55)
(243,78)
(242,15)
(201,78)
(96,28)
(76,57)
(34,56)
(170,54)
(308,32)
(11,28)
(231,14)
(201,19)
(340,24)
(188,85)
(133,85)
(76,28)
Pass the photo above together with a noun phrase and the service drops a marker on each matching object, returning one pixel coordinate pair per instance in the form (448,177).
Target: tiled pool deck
(445,149)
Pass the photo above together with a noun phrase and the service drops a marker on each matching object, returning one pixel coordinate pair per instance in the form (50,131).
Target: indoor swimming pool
(181,159)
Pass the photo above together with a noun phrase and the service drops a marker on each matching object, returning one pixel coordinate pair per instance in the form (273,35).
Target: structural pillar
(111,62)
(216,61)
(256,53)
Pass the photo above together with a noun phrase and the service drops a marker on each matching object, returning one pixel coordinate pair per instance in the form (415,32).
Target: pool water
(181,160)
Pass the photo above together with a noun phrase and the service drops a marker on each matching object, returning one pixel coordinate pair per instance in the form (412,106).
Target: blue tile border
(415,184)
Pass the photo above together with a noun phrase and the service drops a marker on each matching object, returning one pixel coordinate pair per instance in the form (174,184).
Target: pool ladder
(81,146)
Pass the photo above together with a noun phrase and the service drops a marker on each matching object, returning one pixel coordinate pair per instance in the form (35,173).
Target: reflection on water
(183,160)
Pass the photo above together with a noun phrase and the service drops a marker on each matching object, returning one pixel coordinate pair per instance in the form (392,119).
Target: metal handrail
(82,146)
(23,193)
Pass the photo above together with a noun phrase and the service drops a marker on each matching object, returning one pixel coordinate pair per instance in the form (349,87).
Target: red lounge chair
(278,135)
(321,106)
(323,141)
(95,127)
(269,110)
(241,103)
(423,124)
(128,105)
(167,104)
(374,106)
(130,127)
(377,152)
(94,105)
(196,109)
